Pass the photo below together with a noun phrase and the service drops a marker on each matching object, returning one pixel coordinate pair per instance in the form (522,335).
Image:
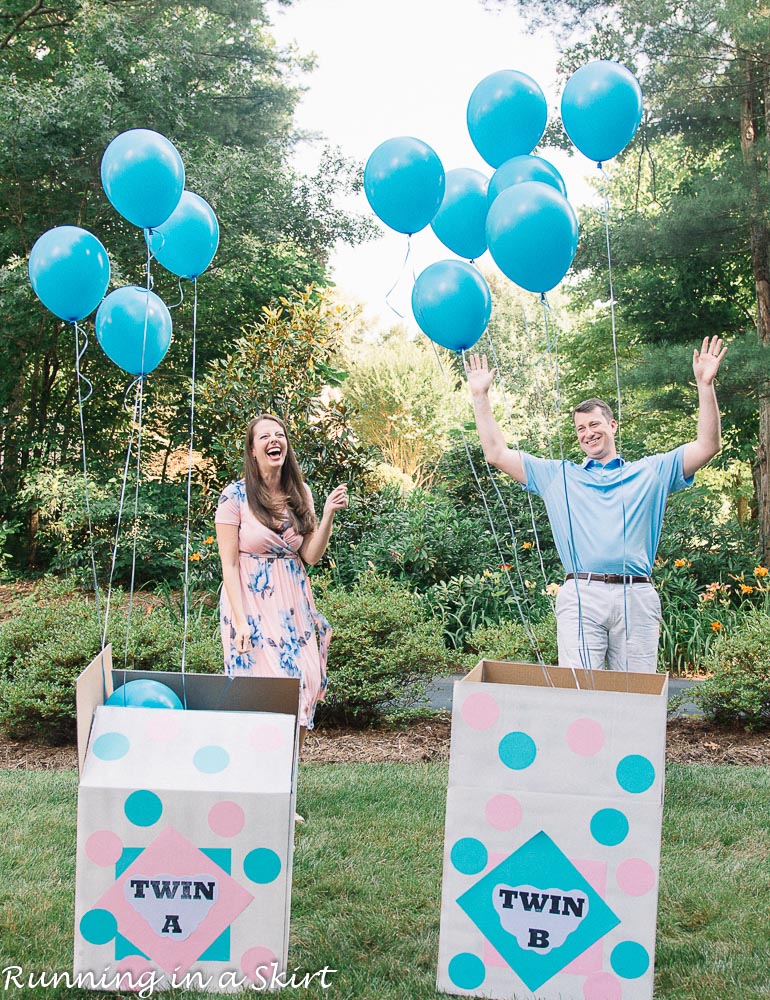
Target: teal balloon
(404,183)
(143,176)
(452,304)
(69,271)
(524,168)
(460,222)
(532,231)
(507,114)
(144,693)
(186,242)
(601,109)
(133,327)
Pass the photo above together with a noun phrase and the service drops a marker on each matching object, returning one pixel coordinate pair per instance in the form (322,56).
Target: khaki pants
(608,625)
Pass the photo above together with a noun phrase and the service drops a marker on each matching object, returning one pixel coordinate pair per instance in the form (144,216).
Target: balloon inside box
(185,829)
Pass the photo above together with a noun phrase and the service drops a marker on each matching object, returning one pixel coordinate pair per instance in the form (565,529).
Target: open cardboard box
(553,820)
(185,832)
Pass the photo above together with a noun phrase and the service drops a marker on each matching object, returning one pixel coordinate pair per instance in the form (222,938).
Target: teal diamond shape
(537,910)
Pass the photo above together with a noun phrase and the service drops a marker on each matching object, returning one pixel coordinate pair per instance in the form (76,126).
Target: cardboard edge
(92,688)
(544,675)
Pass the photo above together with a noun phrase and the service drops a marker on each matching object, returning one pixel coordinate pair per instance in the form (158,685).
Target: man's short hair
(594,404)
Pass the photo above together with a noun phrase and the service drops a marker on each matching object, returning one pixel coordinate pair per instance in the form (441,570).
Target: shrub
(512,641)
(55,634)
(738,692)
(384,650)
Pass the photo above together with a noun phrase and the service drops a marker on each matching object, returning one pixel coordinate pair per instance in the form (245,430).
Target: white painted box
(553,825)
(185,832)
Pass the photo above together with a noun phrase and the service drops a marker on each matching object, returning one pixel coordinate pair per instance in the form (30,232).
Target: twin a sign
(172,906)
(537,910)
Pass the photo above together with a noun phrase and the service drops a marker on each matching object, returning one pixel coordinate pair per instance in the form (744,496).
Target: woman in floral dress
(267,531)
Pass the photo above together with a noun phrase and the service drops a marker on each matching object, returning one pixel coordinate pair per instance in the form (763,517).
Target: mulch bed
(689,741)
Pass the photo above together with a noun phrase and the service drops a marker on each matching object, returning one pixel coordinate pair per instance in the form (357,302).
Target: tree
(704,66)
(208,75)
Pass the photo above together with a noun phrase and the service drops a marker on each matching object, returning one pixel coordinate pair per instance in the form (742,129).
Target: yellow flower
(746,588)
(195,556)
(529,585)
(552,589)
(761,571)
(679,563)
(716,626)
(209,540)
(526,545)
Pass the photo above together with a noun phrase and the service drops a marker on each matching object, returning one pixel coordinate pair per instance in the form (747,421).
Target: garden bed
(689,741)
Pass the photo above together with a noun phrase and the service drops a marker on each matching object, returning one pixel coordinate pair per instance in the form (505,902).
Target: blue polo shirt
(607,518)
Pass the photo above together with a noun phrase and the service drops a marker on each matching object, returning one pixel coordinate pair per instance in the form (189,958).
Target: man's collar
(614,463)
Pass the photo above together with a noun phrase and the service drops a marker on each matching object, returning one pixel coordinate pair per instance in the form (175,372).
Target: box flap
(219,693)
(92,688)
(540,675)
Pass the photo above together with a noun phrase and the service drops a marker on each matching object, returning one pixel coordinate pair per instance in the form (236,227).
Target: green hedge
(738,691)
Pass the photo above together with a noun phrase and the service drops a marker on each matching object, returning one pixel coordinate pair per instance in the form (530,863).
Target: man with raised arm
(606,515)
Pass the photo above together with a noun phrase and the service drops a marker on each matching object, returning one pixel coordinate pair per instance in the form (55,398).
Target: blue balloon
(69,271)
(144,693)
(186,242)
(532,233)
(507,114)
(143,176)
(601,109)
(452,304)
(404,183)
(133,327)
(460,222)
(524,168)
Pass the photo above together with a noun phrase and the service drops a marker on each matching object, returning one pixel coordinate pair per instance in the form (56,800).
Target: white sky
(408,67)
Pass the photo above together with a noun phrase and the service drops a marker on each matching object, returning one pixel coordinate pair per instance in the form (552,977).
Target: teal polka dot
(517,751)
(211,760)
(609,827)
(635,773)
(629,960)
(143,808)
(469,856)
(111,746)
(467,971)
(98,926)
(262,865)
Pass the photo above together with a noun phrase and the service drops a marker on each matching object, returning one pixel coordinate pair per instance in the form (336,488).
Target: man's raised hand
(706,362)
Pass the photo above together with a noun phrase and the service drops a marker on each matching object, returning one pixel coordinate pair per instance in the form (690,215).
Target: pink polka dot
(503,812)
(163,729)
(226,819)
(480,710)
(635,877)
(585,737)
(602,986)
(258,964)
(266,736)
(104,847)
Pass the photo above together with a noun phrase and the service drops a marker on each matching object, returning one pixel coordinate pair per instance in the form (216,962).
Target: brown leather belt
(608,578)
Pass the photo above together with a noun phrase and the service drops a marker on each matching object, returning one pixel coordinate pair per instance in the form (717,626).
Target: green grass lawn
(367,881)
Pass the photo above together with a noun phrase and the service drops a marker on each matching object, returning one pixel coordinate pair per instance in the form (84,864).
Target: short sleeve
(669,466)
(540,473)
(229,504)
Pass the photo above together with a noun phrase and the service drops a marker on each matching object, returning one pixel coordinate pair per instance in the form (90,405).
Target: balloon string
(176,305)
(543,406)
(606,213)
(136,382)
(510,422)
(398,280)
(82,400)
(137,480)
(189,486)
(503,562)
(585,658)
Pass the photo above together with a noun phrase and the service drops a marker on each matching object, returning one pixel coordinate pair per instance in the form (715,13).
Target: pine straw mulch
(689,741)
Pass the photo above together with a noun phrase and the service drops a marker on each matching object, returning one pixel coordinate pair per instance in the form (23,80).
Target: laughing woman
(267,531)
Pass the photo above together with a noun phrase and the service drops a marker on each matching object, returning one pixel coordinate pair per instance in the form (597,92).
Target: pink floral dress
(289,638)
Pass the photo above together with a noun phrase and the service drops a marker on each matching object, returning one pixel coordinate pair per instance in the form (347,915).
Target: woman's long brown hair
(295,500)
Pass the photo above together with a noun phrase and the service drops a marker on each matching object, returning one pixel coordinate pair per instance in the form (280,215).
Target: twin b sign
(173,907)
(539,919)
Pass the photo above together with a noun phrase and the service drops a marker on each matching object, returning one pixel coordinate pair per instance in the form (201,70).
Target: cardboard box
(185,832)
(553,823)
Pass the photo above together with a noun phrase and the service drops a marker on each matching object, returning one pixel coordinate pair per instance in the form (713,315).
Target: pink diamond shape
(170,855)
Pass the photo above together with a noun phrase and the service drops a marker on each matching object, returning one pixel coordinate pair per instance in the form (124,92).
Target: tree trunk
(759,234)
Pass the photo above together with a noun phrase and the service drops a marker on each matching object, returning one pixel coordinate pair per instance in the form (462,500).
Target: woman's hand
(241,636)
(337,500)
